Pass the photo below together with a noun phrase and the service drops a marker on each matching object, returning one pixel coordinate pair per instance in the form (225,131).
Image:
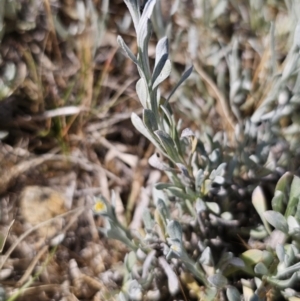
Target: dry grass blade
(32,266)
(34,291)
(223,105)
(4,237)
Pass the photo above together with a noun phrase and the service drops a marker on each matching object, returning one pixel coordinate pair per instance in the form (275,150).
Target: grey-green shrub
(206,178)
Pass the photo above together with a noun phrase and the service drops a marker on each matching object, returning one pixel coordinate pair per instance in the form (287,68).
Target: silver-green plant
(204,179)
(276,264)
(187,184)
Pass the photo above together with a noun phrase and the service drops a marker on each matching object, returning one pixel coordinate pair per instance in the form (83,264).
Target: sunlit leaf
(292,207)
(169,145)
(277,220)
(140,126)
(174,230)
(233,294)
(165,73)
(254,256)
(214,207)
(150,120)
(218,280)
(161,56)
(261,269)
(185,75)
(142,92)
(260,204)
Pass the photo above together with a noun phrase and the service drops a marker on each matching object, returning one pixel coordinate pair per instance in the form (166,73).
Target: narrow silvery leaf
(233,294)
(206,257)
(157,72)
(130,260)
(200,176)
(223,261)
(218,280)
(142,92)
(291,269)
(147,12)
(160,186)
(237,262)
(220,171)
(277,201)
(119,234)
(162,49)
(163,210)
(140,126)
(259,203)
(173,282)
(280,252)
(284,182)
(219,180)
(168,144)
(214,207)
(200,206)
(261,269)
(290,65)
(254,256)
(158,20)
(187,133)
(297,35)
(143,37)
(150,120)
(168,114)
(174,230)
(147,263)
(183,169)
(295,187)
(185,75)
(291,209)
(282,284)
(161,56)
(215,156)
(277,220)
(158,194)
(175,250)
(147,219)
(156,162)
(293,224)
(178,192)
(160,77)
(127,50)
(293,198)
(134,290)
(133,7)
(143,26)
(122,297)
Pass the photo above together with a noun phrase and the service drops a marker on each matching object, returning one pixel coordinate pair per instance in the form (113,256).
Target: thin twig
(31,266)
(226,111)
